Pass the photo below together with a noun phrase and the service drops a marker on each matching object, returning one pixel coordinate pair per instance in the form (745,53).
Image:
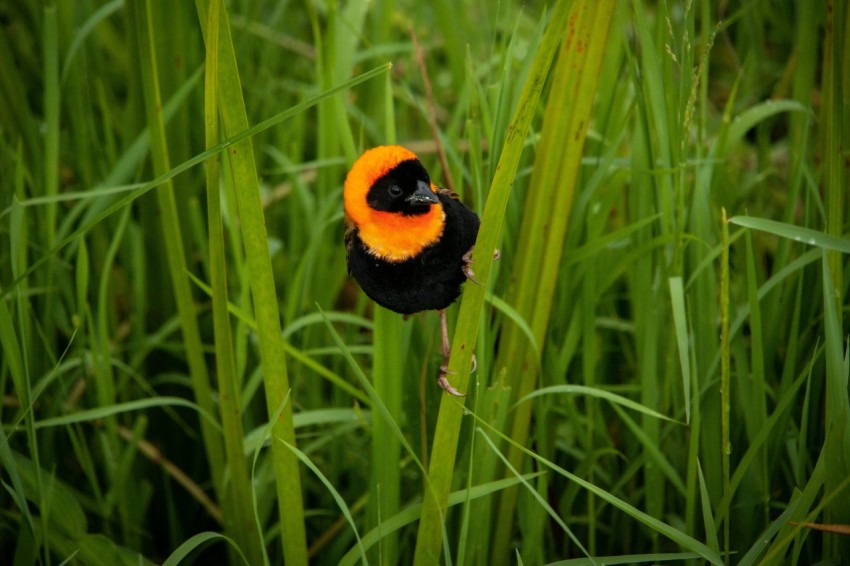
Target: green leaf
(796,233)
(120,408)
(677,303)
(196,543)
(597,393)
(747,119)
(334,493)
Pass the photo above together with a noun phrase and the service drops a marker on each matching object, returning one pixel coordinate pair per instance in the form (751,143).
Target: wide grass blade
(837,414)
(237,492)
(430,537)
(243,169)
(548,204)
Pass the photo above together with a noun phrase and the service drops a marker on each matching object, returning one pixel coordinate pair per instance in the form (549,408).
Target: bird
(408,242)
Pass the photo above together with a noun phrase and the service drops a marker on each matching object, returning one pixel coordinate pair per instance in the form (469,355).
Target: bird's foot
(467,266)
(443,380)
(468,261)
(444,384)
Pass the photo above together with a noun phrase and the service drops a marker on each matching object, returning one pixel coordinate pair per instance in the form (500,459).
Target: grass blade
(549,204)
(430,537)
(337,497)
(677,300)
(725,394)
(237,492)
(196,543)
(598,393)
(266,311)
(796,233)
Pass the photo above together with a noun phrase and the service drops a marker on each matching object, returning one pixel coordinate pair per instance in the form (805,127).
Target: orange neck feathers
(395,237)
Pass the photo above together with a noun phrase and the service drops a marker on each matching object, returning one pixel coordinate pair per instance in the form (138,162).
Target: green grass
(189,374)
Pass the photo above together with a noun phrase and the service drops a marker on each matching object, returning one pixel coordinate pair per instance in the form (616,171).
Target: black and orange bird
(408,242)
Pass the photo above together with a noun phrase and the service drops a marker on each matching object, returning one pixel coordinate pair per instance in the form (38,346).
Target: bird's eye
(395,190)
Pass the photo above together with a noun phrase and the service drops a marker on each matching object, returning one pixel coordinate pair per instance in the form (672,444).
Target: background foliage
(654,384)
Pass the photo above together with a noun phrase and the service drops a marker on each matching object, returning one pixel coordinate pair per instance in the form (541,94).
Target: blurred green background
(654,384)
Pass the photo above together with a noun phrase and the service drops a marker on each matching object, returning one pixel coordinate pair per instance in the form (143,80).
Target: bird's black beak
(422,195)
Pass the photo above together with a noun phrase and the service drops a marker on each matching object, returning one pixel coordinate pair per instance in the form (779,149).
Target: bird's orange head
(390,199)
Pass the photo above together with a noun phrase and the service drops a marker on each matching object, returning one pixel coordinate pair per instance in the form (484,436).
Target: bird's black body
(430,280)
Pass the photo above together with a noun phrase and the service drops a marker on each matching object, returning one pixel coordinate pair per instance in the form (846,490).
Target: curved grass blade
(755,114)
(196,543)
(657,558)
(599,393)
(796,233)
(545,504)
(343,506)
(237,490)
(119,408)
(411,514)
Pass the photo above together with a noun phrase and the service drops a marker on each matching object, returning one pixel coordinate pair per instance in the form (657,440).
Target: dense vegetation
(662,363)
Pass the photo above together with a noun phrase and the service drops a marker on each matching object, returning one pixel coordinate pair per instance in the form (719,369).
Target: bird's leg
(443,381)
(444,333)
(467,264)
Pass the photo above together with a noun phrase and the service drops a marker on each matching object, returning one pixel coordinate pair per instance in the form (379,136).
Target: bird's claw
(443,381)
(446,386)
(467,261)
(469,273)
(466,267)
